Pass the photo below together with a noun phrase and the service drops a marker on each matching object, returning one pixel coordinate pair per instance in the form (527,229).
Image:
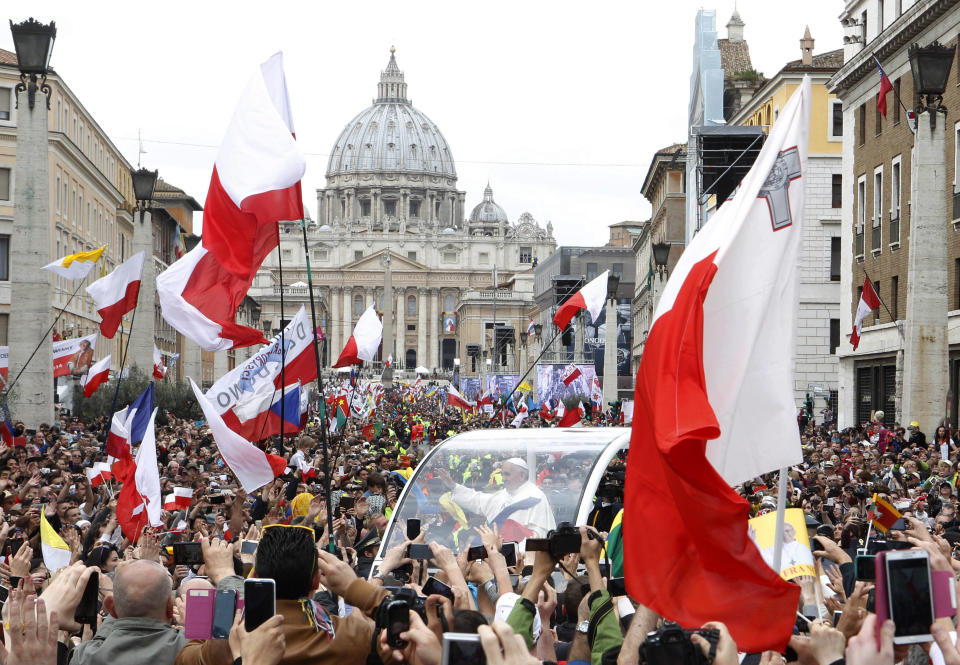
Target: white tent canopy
(298,285)
(422,370)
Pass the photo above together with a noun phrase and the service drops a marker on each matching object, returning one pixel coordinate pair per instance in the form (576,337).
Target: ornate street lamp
(33,42)
(144,182)
(930,66)
(661,254)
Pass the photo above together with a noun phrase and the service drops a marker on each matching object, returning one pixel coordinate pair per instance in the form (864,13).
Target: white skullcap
(517,461)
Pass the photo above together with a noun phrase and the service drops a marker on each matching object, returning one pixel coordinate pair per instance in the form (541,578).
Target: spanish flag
(882,514)
(56,552)
(76,266)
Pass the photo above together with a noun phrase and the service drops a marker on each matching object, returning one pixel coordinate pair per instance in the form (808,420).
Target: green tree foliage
(170,396)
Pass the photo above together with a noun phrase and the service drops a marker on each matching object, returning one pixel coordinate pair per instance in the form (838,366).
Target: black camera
(860,492)
(563,540)
(670,645)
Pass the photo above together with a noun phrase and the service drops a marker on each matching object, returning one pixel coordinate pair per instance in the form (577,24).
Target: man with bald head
(519,500)
(138,629)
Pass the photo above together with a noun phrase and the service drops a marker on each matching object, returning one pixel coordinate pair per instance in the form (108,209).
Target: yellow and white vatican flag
(56,552)
(76,266)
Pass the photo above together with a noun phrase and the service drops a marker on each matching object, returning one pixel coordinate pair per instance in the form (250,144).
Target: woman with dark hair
(105,556)
(944,442)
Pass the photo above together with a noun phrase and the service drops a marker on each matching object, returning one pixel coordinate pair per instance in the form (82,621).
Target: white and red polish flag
(179,499)
(140,500)
(714,405)
(99,473)
(869,301)
(364,341)
(252,467)
(454,398)
(97,375)
(116,294)
(591,298)
(255,184)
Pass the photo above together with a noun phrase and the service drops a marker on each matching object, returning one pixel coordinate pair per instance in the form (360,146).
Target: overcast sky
(561,105)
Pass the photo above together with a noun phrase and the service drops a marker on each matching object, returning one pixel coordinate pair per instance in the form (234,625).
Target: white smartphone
(910,594)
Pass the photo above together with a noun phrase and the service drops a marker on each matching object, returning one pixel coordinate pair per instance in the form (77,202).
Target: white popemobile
(549,476)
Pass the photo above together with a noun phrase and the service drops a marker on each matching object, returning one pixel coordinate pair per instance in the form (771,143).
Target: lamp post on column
(925,373)
(141,331)
(610,390)
(31,287)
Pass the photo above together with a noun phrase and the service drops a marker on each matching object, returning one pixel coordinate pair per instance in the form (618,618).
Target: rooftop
(164,191)
(7,57)
(734,57)
(829,60)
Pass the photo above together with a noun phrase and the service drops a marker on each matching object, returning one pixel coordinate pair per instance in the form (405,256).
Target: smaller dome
(448,231)
(488,210)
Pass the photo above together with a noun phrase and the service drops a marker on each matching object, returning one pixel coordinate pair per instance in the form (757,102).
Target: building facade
(881,197)
(818,320)
(665,188)
(391,193)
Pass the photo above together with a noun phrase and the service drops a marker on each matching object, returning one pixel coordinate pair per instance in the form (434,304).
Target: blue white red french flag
(714,405)
(127,428)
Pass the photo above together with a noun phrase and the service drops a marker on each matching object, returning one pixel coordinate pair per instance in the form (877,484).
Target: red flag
(885,87)
(116,294)
(95,377)
(364,342)
(571,417)
(869,301)
(591,298)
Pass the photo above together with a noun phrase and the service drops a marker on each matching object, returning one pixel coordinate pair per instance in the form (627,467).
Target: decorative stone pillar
(32,287)
(347,321)
(925,366)
(142,331)
(434,341)
(333,330)
(421,326)
(401,331)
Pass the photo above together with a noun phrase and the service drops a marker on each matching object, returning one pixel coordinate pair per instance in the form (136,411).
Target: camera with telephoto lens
(563,540)
(670,645)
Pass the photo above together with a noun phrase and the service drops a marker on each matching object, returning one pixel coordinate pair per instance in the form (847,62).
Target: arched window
(448,302)
(358,305)
(411,305)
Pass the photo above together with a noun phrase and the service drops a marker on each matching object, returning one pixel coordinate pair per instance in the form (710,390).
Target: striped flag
(56,552)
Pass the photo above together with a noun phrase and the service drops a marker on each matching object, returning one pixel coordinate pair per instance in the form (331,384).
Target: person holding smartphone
(288,555)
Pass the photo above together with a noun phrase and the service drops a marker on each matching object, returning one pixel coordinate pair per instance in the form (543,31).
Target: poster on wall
(73,354)
(550,382)
(596,337)
(449,322)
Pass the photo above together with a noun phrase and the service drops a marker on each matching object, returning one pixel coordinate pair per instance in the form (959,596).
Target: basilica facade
(391,199)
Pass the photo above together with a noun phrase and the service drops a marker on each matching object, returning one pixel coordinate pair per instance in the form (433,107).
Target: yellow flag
(76,266)
(525,386)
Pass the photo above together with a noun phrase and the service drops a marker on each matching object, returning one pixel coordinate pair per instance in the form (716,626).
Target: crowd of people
(336,599)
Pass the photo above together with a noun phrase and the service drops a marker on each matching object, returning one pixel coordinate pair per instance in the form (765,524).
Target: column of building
(346,324)
(333,330)
(434,340)
(400,333)
(422,326)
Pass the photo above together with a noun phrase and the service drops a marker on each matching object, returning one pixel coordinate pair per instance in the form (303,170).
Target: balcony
(859,243)
(875,237)
(956,206)
(895,228)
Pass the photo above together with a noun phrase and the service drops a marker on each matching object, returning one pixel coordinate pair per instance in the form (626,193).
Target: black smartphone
(216,498)
(865,567)
(476,553)
(815,545)
(346,502)
(398,621)
(419,551)
(435,586)
(910,594)
(14,545)
(187,554)
(223,609)
(248,547)
(836,617)
(462,649)
(86,612)
(413,528)
(259,601)
(509,552)
(617,586)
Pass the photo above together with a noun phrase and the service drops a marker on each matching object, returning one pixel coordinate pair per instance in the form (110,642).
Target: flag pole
(316,356)
(10,385)
(887,309)
(123,359)
(283,341)
(781,514)
(894,90)
(527,373)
